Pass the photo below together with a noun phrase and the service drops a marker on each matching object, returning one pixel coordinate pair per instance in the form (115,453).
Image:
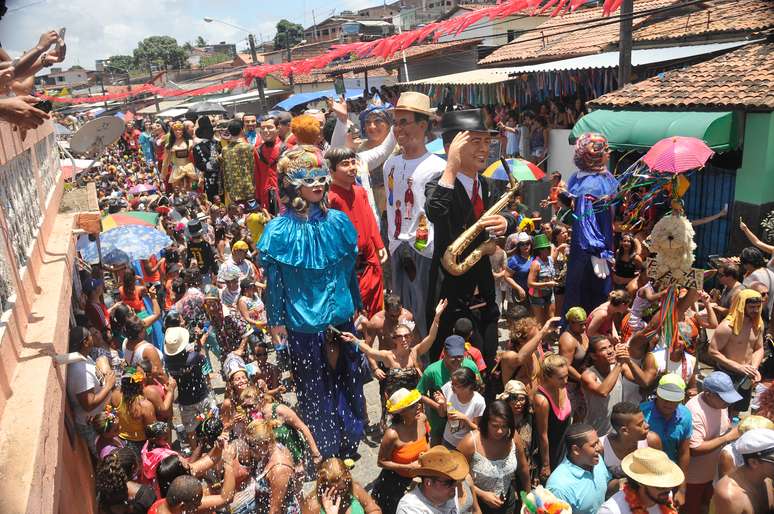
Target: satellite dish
(96,135)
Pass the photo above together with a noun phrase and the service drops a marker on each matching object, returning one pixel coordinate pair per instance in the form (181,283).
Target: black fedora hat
(470,119)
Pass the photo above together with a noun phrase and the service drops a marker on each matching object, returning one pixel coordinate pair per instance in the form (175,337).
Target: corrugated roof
(742,79)
(640,57)
(413,52)
(551,40)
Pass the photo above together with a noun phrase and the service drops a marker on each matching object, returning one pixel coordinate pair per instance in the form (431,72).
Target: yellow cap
(240,245)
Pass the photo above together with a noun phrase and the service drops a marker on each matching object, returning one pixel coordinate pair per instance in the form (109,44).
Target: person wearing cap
(405,176)
(712,430)
(730,458)
(436,375)
(737,344)
(454,202)
(541,279)
(442,489)
(402,444)
(519,249)
(672,421)
(747,490)
(186,365)
(239,259)
(200,250)
(582,479)
(650,480)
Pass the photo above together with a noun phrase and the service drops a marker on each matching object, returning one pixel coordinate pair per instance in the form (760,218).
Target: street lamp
(253,54)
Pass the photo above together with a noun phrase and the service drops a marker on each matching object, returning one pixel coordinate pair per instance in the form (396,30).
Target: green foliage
(200,41)
(160,50)
(123,62)
(288,32)
(214,59)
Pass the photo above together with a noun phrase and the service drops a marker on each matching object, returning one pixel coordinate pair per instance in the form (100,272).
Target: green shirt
(435,376)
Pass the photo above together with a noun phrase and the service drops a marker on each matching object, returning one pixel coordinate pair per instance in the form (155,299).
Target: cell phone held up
(44,105)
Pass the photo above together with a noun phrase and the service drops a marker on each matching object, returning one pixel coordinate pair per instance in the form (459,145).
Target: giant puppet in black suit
(454,202)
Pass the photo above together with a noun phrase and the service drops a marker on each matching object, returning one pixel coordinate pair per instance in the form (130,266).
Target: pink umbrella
(142,188)
(678,154)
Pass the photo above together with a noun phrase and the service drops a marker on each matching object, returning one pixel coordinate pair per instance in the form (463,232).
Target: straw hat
(402,399)
(653,468)
(414,102)
(439,461)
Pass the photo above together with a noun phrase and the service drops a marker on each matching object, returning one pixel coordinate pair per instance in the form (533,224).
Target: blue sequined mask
(309,177)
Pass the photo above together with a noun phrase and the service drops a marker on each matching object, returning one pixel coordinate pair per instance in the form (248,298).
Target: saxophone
(451,256)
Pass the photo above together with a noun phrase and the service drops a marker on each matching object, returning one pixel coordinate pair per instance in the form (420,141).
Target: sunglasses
(401,336)
(314,181)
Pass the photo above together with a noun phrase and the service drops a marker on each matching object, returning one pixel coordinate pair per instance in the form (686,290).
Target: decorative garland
(383,48)
(633,500)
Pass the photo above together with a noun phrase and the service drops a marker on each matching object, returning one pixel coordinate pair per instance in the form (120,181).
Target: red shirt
(266,171)
(354,203)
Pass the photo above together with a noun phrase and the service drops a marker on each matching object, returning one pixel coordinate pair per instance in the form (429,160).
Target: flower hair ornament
(177,125)
(111,417)
(135,375)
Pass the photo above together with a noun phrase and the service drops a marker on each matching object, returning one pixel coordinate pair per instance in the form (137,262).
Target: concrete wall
(754,196)
(44,465)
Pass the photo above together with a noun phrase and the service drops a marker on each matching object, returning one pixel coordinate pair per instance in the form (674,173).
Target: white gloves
(601,269)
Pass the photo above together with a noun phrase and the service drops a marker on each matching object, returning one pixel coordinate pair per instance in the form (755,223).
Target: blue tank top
(520,267)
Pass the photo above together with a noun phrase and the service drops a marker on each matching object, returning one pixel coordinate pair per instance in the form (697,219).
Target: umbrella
(119,219)
(202,108)
(678,154)
(521,170)
(61,130)
(136,241)
(436,146)
(142,188)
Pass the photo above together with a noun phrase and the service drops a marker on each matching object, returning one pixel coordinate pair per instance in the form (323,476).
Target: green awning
(629,130)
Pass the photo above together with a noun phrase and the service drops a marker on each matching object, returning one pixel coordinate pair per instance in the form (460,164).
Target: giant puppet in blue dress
(308,254)
(591,247)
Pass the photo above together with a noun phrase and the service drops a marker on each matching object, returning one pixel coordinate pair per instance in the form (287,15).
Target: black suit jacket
(451,212)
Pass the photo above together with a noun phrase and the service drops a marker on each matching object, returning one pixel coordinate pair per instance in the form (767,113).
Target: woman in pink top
(552,412)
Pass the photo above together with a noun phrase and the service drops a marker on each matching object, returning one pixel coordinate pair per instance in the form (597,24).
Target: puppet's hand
(601,269)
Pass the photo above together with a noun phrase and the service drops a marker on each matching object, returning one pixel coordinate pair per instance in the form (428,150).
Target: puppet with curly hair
(591,248)
(309,254)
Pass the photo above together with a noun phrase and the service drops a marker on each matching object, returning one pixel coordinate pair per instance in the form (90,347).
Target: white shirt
(397,172)
(665,365)
(616,504)
(612,461)
(473,409)
(414,502)
(82,376)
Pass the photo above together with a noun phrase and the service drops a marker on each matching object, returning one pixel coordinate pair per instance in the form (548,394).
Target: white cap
(757,440)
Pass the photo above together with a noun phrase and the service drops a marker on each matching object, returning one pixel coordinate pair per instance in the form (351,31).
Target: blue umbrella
(132,241)
(436,146)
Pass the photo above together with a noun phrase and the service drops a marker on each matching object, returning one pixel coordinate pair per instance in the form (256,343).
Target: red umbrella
(678,154)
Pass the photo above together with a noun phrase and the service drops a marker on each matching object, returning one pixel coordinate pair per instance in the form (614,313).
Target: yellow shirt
(255,222)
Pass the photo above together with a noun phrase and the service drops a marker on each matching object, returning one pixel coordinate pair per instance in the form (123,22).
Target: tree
(200,41)
(124,62)
(215,58)
(288,33)
(160,50)
(188,47)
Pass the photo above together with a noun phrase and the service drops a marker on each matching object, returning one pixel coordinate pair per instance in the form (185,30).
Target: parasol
(678,154)
(136,241)
(521,170)
(436,146)
(142,188)
(119,219)
(202,108)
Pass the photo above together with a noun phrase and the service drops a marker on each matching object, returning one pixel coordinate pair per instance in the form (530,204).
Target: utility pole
(314,26)
(625,43)
(254,56)
(290,58)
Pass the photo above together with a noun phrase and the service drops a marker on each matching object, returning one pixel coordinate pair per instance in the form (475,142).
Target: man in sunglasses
(746,490)
(440,492)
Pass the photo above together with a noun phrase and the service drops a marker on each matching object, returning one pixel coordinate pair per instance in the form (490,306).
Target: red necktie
(475,199)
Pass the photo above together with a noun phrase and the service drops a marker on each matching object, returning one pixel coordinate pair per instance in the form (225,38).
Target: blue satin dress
(312,283)
(592,235)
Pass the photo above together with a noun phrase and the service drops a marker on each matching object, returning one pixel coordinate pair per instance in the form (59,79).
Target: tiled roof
(312,78)
(368,63)
(547,42)
(742,79)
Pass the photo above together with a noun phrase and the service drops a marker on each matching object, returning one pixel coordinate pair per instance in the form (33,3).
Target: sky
(99,29)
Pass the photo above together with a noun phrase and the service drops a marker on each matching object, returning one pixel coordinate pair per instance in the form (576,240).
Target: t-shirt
(672,431)
(520,268)
(414,502)
(404,181)
(708,423)
(82,376)
(255,223)
(584,490)
(473,354)
(433,379)
(205,257)
(473,409)
(665,365)
(186,368)
(617,505)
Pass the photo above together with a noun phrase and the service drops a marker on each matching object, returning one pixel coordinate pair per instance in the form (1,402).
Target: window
(511,35)
(60,79)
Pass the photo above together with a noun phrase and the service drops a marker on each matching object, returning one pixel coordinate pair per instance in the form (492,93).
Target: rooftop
(741,79)
(555,38)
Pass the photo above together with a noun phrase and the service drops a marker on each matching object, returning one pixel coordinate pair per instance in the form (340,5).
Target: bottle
(454,425)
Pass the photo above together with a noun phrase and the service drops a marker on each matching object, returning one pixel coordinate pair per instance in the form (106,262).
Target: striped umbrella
(520,169)
(119,219)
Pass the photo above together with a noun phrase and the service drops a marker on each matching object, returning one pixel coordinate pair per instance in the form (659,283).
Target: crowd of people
(309,257)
